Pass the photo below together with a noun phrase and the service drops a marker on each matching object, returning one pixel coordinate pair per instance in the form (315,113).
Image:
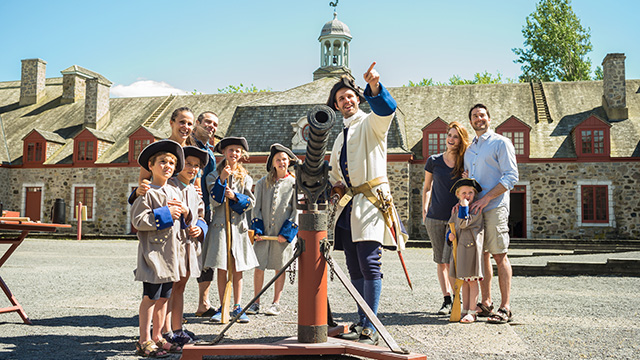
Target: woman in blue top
(441,172)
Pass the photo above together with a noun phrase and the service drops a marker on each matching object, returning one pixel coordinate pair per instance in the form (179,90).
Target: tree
(555,44)
(232,89)
(479,78)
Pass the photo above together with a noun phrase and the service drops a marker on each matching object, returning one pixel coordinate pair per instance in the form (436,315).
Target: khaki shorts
(437,230)
(496,230)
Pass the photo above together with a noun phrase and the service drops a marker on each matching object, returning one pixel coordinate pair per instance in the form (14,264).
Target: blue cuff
(463,212)
(217,192)
(289,230)
(163,218)
(241,205)
(203,225)
(446,238)
(382,104)
(257,225)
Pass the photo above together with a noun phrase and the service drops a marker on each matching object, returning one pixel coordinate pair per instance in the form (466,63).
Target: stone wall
(552,201)
(96,103)
(73,88)
(553,193)
(32,81)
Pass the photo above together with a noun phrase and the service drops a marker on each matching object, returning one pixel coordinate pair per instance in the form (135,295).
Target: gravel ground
(83,303)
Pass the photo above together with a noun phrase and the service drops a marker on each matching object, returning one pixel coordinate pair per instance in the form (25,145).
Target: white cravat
(350,119)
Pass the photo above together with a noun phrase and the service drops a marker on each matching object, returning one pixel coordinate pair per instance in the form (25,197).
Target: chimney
(32,81)
(96,104)
(73,84)
(614,99)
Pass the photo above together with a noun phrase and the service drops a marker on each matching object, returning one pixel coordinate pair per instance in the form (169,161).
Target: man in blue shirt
(203,135)
(491,160)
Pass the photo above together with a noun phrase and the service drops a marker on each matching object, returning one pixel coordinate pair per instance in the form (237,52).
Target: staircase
(156,114)
(540,102)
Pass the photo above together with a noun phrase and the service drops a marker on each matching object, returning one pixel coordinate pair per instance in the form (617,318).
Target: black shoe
(369,337)
(354,334)
(445,309)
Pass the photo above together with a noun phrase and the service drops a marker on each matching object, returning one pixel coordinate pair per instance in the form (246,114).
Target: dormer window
(38,145)
(592,138)
(434,138)
(85,151)
(140,139)
(518,132)
(35,152)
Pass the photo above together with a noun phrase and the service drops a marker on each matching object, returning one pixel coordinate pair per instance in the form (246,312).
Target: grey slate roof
(48,136)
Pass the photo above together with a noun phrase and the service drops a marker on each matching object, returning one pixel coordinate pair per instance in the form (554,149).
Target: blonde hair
(240,172)
(458,168)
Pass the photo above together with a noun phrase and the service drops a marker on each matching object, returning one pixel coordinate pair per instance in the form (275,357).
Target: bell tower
(334,49)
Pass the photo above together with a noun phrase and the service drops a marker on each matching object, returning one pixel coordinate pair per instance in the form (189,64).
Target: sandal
(172,348)
(469,318)
(485,311)
(209,313)
(502,316)
(150,349)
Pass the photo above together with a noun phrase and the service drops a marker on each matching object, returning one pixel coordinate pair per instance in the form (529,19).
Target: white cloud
(145,88)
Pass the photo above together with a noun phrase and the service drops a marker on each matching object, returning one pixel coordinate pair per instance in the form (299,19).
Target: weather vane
(334,4)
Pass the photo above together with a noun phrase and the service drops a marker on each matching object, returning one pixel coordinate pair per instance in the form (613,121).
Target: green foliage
(598,74)
(232,89)
(479,78)
(194,92)
(555,44)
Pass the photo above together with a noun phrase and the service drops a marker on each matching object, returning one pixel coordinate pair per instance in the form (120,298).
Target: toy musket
(226,298)
(386,207)
(455,310)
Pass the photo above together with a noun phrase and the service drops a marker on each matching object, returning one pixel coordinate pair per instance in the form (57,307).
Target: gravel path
(83,302)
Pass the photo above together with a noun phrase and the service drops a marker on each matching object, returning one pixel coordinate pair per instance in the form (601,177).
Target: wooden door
(32,203)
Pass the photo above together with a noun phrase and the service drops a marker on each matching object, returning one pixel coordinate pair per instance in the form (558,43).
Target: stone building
(577,143)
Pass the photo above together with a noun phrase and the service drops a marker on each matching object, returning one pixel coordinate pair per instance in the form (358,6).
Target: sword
(386,207)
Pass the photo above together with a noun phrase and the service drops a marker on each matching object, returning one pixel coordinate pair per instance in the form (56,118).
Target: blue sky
(147,47)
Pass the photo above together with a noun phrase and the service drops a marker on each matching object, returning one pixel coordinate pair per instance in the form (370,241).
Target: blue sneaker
(217,317)
(243,318)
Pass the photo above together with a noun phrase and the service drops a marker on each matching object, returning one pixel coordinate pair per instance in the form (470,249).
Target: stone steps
(612,267)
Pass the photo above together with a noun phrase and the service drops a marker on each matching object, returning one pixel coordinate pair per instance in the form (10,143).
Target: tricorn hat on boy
(276,148)
(466,182)
(231,140)
(165,145)
(197,152)
(345,82)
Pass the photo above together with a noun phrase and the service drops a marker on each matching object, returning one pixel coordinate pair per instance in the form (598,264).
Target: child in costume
(157,216)
(230,183)
(274,214)
(191,237)
(470,236)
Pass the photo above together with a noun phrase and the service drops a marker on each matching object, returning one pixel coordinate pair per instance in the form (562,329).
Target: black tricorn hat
(346,81)
(466,182)
(276,148)
(231,140)
(165,145)
(197,152)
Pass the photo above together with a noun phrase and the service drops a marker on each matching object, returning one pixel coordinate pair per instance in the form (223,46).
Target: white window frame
(610,187)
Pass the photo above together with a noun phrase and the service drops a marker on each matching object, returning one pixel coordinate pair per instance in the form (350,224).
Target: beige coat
(470,235)
(366,160)
(214,252)
(157,249)
(190,249)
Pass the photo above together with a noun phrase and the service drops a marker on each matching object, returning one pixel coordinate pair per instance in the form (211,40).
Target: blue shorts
(156,291)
